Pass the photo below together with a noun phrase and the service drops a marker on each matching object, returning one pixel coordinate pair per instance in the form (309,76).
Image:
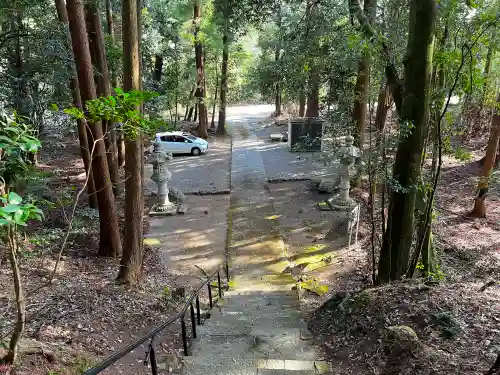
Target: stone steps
(256,328)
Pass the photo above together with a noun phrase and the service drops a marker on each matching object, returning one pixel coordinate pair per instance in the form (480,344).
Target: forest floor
(455,318)
(85,314)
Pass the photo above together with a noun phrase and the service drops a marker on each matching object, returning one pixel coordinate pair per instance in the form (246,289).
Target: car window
(181,139)
(167,138)
(191,137)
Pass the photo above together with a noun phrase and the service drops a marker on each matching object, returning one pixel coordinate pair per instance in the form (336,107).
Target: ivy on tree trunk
(396,248)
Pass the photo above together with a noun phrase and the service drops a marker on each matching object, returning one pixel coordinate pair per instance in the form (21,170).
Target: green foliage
(448,324)
(16,142)
(121,108)
(437,275)
(463,155)
(14,212)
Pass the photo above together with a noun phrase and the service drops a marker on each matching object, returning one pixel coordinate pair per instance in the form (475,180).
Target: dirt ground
(85,315)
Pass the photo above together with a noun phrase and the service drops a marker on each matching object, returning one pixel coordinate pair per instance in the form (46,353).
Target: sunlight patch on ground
(265,283)
(151,241)
(277,267)
(272,217)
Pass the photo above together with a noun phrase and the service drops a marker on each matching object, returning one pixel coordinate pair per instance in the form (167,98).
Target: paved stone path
(257,328)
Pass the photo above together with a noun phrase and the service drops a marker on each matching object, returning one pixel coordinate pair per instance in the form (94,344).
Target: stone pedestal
(345,223)
(164,206)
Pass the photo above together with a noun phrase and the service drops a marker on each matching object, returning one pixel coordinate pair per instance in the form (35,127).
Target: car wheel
(195,151)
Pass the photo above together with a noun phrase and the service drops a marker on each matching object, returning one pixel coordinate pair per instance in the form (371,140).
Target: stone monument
(159,158)
(345,210)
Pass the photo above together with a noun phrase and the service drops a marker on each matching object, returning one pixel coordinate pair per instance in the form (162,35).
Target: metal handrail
(151,354)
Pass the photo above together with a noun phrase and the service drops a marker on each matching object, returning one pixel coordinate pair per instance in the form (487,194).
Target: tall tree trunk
(221,126)
(313,83)
(133,252)
(20,301)
(425,205)
(212,123)
(277,58)
(384,103)
(397,242)
(362,82)
(176,62)
(120,145)
(190,113)
(158,71)
(487,76)
(101,77)
(109,238)
(313,94)
(77,102)
(200,69)
(302,101)
(110,31)
(479,209)
(195,113)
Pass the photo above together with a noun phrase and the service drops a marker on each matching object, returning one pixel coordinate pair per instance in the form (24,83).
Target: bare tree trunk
(200,77)
(277,57)
(101,77)
(394,257)
(77,102)
(120,145)
(20,302)
(362,82)
(158,72)
(133,252)
(384,103)
(188,107)
(313,95)
(109,238)
(221,126)
(479,209)
(110,31)
(487,77)
(302,102)
(212,123)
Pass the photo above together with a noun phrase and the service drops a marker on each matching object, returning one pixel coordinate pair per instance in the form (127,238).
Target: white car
(182,143)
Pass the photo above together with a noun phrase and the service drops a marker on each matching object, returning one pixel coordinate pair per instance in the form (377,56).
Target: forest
(86,84)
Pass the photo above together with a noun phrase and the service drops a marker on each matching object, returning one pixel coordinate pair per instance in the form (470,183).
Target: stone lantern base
(168,209)
(345,222)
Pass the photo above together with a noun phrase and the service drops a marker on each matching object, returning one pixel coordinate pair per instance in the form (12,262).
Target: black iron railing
(195,319)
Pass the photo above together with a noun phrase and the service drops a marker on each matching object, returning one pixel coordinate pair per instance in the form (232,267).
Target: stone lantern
(345,210)
(159,158)
(349,156)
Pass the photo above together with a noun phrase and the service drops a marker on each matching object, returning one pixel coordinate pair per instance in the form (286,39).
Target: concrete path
(257,329)
(205,174)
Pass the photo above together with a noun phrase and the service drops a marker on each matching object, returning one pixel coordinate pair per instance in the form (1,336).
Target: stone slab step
(254,367)
(260,318)
(285,372)
(263,343)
